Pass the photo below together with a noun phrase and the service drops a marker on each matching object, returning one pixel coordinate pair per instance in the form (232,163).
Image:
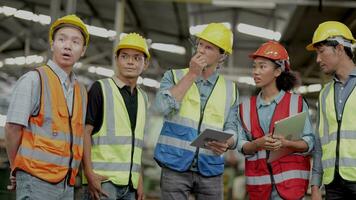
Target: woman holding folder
(286,177)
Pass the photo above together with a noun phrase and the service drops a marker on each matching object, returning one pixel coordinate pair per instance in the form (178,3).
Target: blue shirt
(342,91)
(265,112)
(25,99)
(166,104)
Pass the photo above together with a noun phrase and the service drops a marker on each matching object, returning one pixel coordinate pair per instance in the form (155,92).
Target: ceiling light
(172,48)
(244,4)
(258,31)
(2,120)
(314,88)
(150,83)
(8,11)
(246,79)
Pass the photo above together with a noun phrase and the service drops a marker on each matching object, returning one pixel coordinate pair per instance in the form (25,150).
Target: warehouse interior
(170,26)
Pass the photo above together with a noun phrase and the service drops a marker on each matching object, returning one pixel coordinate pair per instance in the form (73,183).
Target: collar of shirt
(119,83)
(62,75)
(212,79)
(352,74)
(276,100)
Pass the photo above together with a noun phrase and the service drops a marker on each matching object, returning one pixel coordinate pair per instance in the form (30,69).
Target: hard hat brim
(310,47)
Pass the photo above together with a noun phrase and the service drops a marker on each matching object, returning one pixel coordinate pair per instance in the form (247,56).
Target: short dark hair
(334,43)
(118,53)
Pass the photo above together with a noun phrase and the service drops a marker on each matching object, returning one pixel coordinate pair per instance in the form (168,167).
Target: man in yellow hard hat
(334,155)
(115,124)
(192,100)
(45,120)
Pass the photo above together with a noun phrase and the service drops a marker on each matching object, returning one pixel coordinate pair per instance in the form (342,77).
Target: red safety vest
(289,174)
(52,144)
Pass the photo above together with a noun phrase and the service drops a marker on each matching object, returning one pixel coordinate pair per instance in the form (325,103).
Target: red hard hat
(274,51)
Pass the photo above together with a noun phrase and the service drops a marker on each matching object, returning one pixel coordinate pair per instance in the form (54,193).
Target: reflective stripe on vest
(288,169)
(180,129)
(45,151)
(111,144)
(328,132)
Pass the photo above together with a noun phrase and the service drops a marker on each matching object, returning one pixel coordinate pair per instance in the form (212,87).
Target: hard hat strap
(341,40)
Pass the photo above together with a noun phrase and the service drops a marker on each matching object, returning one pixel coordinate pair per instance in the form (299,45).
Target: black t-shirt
(95,107)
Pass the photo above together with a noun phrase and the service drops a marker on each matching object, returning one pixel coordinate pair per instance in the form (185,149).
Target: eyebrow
(73,37)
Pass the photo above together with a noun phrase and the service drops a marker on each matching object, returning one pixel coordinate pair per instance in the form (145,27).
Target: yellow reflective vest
(338,138)
(173,149)
(116,150)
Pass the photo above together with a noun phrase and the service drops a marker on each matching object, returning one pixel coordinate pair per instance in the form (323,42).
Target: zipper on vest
(201,121)
(269,166)
(132,154)
(337,159)
(70,147)
(71,139)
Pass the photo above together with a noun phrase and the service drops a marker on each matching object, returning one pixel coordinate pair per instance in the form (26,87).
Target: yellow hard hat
(330,29)
(71,20)
(133,41)
(219,35)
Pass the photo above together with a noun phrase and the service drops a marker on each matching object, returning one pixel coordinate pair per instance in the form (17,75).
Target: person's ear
(277,72)
(83,51)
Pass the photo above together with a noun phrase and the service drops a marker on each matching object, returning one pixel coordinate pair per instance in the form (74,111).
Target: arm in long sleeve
(232,124)
(165,102)
(317,170)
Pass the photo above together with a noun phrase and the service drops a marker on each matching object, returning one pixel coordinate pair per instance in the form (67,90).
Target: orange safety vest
(52,144)
(290,174)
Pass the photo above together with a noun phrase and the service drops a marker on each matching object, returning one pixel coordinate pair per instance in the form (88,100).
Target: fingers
(218,147)
(197,63)
(12,185)
(103,178)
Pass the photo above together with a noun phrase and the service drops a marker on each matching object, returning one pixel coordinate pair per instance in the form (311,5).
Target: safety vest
(290,174)
(173,149)
(116,150)
(52,144)
(337,137)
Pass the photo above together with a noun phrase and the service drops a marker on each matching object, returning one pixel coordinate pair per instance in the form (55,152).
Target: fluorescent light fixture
(8,11)
(101,71)
(199,28)
(310,88)
(244,4)
(24,14)
(9,61)
(172,48)
(314,88)
(44,19)
(246,79)
(258,31)
(78,65)
(303,89)
(104,71)
(22,60)
(2,120)
(139,80)
(92,69)
(150,82)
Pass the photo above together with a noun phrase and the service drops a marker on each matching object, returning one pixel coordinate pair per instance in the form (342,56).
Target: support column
(71,7)
(119,26)
(55,9)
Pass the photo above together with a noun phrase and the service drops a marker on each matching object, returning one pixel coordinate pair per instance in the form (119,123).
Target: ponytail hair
(286,81)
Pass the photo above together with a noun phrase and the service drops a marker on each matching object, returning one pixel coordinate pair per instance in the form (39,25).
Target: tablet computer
(291,127)
(210,135)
